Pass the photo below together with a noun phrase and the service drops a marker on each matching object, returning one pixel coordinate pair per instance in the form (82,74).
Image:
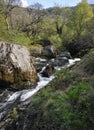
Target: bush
(79,113)
(58,110)
(80,46)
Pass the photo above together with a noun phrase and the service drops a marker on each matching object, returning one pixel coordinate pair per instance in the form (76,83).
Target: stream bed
(25,95)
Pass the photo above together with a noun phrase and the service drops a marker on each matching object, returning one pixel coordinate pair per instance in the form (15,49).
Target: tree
(2,17)
(58,19)
(36,14)
(81,15)
(7,7)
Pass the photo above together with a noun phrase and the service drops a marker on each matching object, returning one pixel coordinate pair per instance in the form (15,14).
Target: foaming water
(43,81)
(25,94)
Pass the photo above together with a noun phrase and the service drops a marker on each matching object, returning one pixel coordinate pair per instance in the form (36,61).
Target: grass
(14,37)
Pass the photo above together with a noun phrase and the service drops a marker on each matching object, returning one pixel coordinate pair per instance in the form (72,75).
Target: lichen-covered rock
(16,69)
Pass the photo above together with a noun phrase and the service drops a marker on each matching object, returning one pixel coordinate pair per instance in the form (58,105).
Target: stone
(49,52)
(48,71)
(39,63)
(16,69)
(59,62)
(65,54)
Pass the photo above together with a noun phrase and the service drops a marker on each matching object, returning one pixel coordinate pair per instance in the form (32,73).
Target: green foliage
(80,100)
(56,41)
(2,22)
(81,15)
(67,103)
(70,110)
(15,113)
(61,26)
(14,37)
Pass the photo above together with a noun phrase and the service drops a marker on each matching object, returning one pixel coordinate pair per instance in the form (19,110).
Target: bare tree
(36,14)
(8,6)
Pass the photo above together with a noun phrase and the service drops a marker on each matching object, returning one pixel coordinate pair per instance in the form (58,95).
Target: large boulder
(16,69)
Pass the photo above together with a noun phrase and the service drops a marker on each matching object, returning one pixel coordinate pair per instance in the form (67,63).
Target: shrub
(79,113)
(58,110)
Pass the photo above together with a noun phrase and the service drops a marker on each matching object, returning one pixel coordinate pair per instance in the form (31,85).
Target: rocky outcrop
(16,69)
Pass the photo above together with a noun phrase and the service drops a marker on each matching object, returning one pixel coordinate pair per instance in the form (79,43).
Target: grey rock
(16,69)
(49,52)
(65,54)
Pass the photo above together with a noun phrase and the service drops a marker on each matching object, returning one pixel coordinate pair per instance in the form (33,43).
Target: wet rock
(39,64)
(48,71)
(59,62)
(16,69)
(65,54)
(3,96)
(48,52)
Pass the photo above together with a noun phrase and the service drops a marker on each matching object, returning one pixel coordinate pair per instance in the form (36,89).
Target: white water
(42,83)
(72,61)
(26,94)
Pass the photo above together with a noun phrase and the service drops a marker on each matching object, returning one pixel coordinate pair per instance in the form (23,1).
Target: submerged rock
(16,69)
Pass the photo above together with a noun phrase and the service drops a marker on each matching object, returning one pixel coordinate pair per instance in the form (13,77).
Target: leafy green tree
(81,15)
(60,16)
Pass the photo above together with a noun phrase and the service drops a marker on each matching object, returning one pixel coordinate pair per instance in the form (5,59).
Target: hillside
(66,103)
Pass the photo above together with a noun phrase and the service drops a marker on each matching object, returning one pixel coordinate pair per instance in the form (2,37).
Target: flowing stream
(43,81)
(24,95)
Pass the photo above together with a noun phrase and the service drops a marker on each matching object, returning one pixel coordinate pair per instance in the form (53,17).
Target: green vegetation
(67,103)
(15,113)
(65,28)
(70,110)
(14,37)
